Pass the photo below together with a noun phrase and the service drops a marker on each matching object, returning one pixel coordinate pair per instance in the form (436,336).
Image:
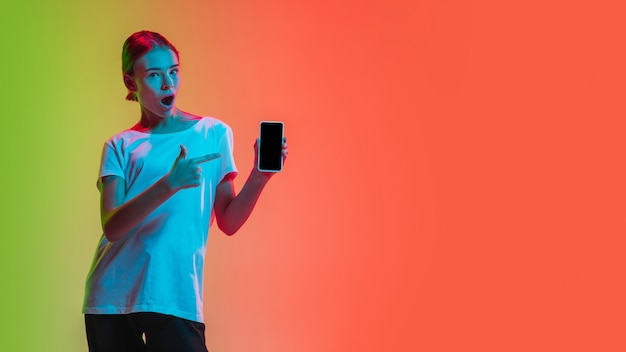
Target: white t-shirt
(158,266)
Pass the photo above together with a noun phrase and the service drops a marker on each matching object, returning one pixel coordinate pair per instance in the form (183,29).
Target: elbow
(110,237)
(227,230)
(225,224)
(110,234)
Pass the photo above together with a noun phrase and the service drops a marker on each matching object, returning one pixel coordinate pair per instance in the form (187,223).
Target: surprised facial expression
(156,81)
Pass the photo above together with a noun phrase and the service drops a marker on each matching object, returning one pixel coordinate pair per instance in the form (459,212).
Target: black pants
(124,333)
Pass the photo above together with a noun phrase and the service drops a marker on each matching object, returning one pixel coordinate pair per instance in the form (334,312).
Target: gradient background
(455,179)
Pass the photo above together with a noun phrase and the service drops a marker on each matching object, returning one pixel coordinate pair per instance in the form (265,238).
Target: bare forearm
(127,216)
(240,208)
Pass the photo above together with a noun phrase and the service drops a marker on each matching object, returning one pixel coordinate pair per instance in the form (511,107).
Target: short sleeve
(111,163)
(228,168)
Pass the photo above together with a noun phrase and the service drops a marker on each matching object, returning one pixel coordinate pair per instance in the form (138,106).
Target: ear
(129,82)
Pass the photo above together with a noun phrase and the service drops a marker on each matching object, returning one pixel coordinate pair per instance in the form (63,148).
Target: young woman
(160,182)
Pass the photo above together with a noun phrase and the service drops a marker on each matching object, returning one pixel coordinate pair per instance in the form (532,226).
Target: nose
(168,82)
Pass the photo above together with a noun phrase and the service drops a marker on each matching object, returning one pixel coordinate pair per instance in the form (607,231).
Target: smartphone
(270,148)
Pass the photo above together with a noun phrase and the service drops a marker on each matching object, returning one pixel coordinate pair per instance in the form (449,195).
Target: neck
(176,121)
(150,121)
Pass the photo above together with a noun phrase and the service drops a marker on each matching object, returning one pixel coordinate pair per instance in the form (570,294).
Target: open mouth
(167,101)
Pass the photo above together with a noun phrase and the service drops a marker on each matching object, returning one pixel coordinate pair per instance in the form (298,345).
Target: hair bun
(131,96)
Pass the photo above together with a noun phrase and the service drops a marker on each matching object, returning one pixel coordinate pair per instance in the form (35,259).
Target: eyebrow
(158,69)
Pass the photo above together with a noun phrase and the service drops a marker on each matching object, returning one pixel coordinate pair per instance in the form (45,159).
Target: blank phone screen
(271,146)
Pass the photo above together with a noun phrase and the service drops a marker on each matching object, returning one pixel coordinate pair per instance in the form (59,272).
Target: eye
(174,72)
(153,74)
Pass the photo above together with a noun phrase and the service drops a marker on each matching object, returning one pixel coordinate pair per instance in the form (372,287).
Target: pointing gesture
(205,158)
(186,173)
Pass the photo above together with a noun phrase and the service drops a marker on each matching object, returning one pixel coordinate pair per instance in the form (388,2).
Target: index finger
(205,158)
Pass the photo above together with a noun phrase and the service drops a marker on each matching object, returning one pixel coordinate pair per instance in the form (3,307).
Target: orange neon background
(455,180)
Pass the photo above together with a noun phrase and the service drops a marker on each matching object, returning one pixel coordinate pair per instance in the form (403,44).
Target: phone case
(260,145)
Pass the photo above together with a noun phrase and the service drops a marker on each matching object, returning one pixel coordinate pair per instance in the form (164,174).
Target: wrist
(164,185)
(258,178)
